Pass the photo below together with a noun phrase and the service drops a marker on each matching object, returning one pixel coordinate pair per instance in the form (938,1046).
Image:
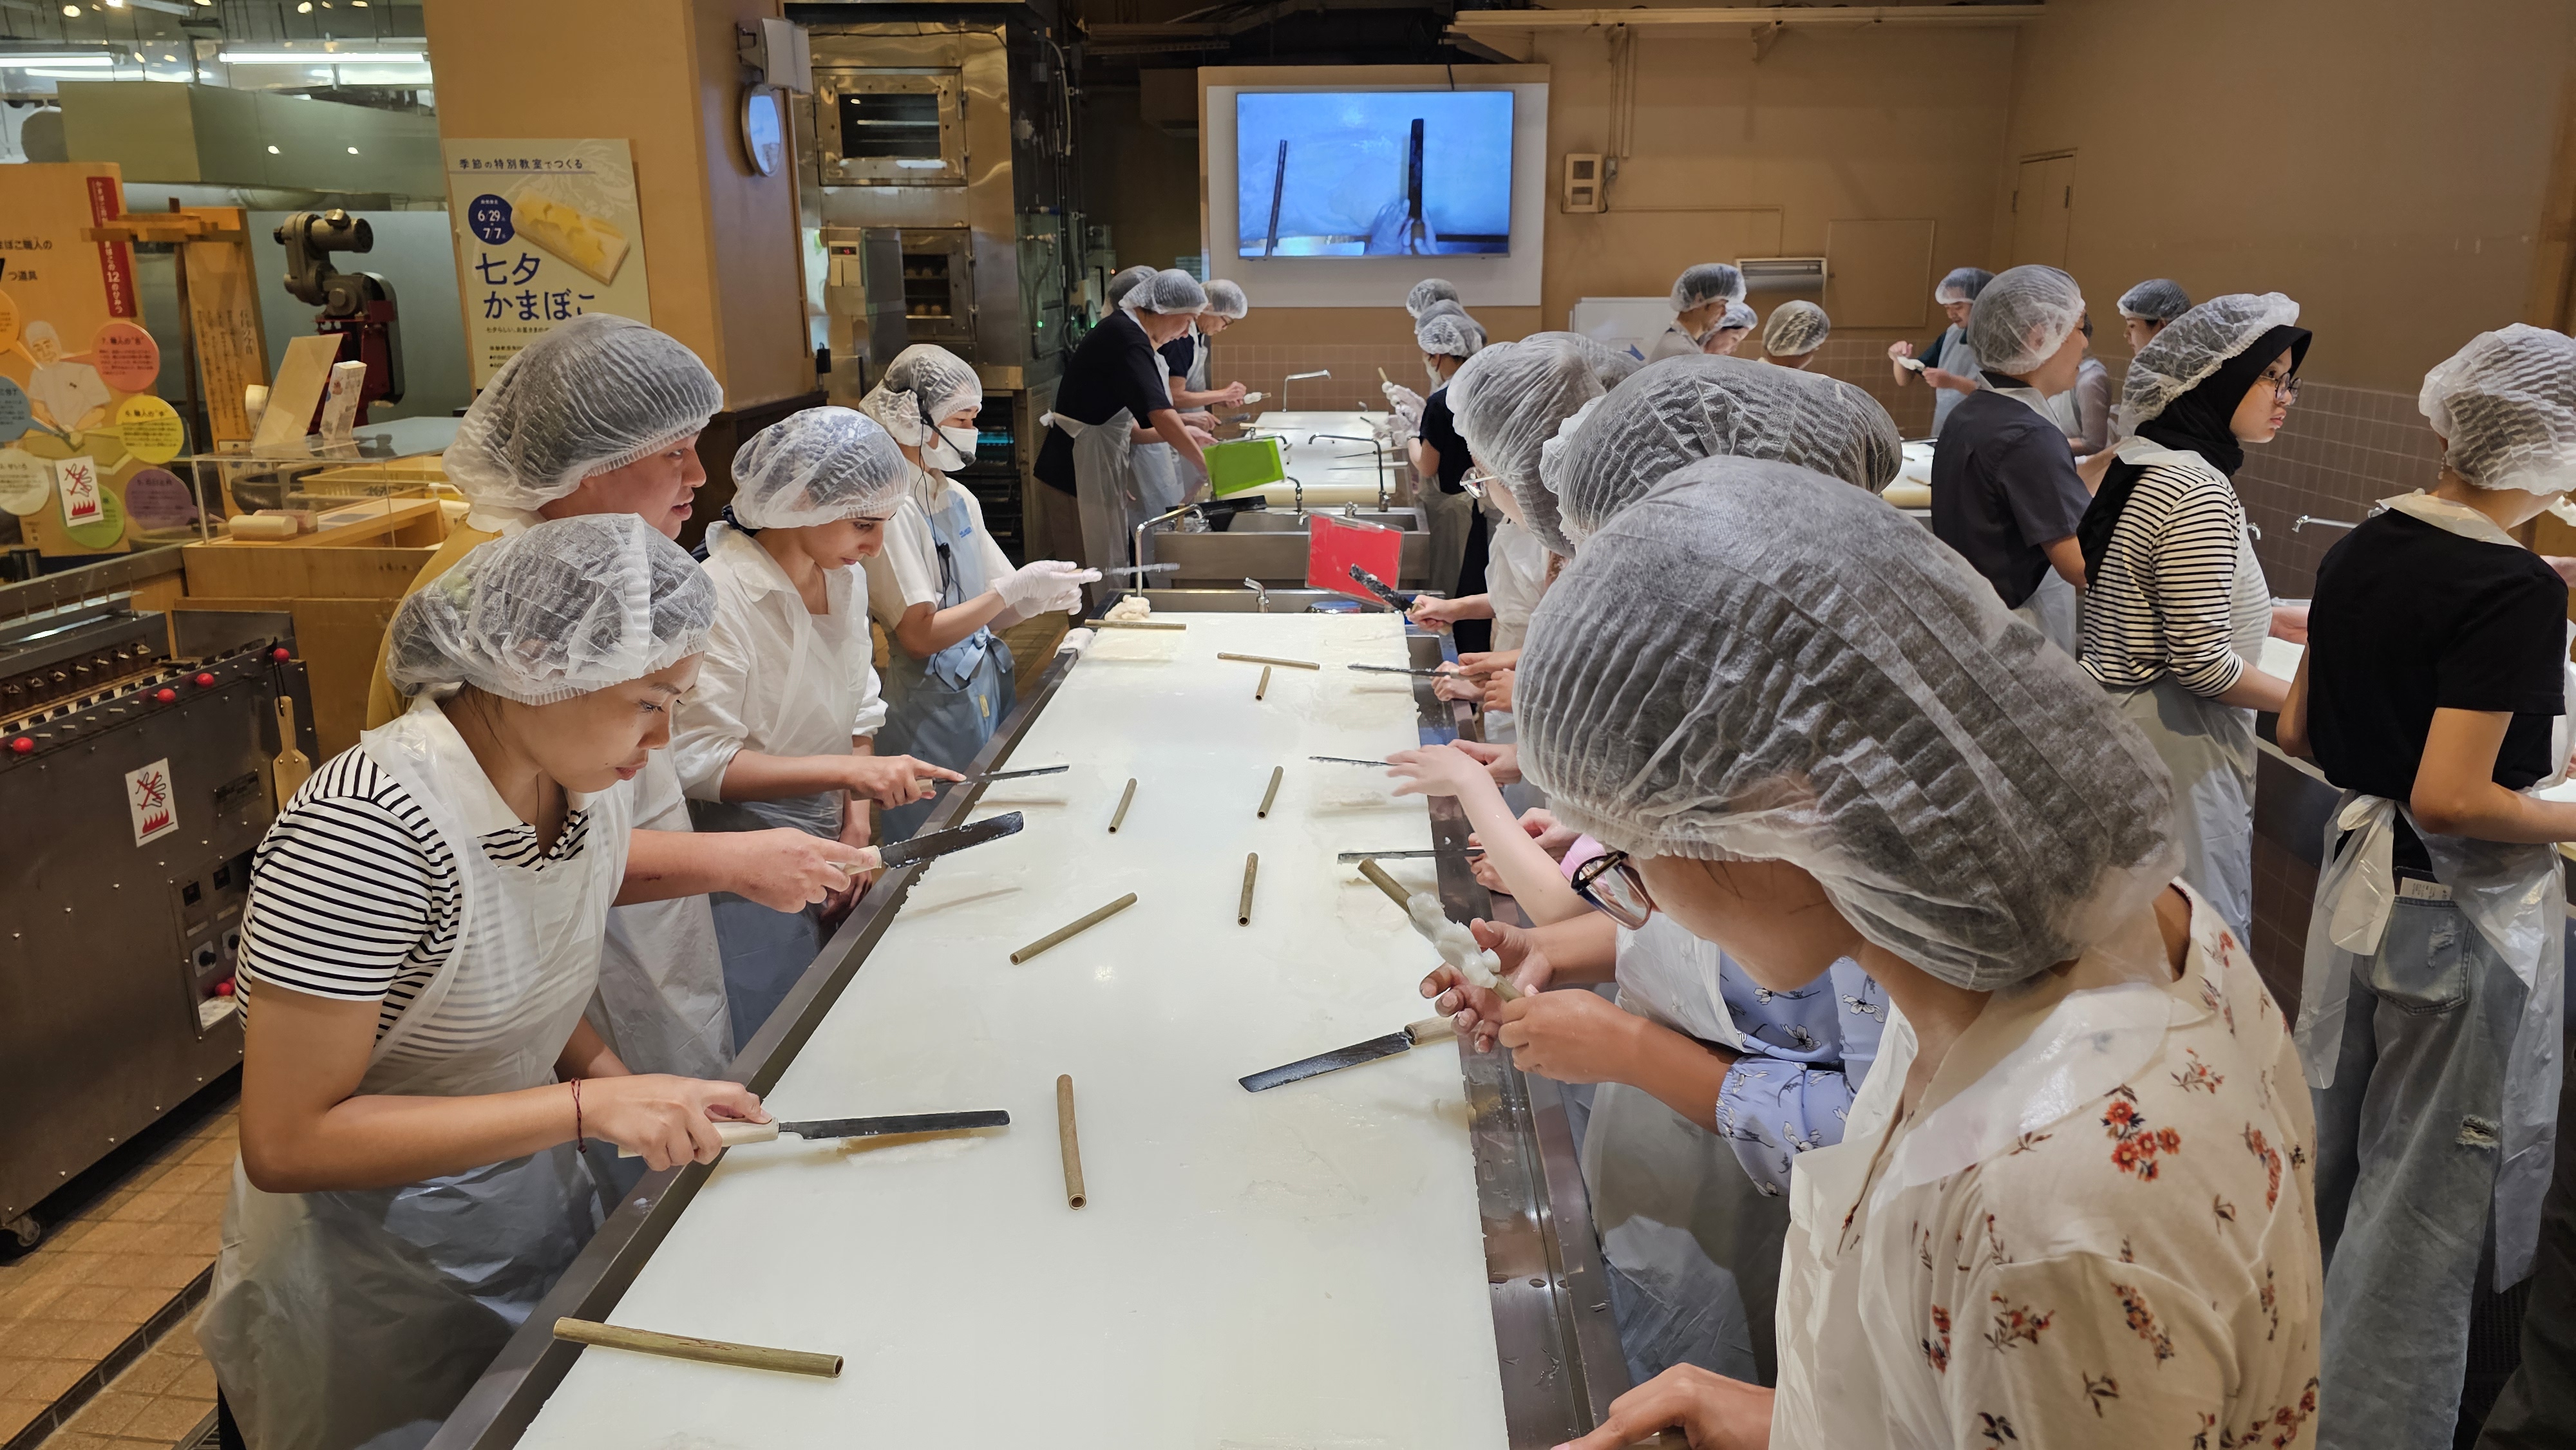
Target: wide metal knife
(1394,1044)
(940,843)
(736,1134)
(1378,587)
(1001,775)
(1352,858)
(1400,670)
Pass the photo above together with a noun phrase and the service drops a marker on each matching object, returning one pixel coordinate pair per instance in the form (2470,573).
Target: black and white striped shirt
(354,894)
(2171,597)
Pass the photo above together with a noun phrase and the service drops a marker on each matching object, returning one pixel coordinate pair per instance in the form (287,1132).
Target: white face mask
(961,439)
(1433,369)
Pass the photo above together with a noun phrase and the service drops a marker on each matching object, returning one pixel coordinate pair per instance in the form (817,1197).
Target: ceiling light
(71,10)
(272,150)
(305,7)
(308,57)
(60,62)
(353,150)
(115,4)
(65,75)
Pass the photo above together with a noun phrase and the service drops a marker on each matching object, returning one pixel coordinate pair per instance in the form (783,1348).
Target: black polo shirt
(1439,432)
(1116,367)
(2003,484)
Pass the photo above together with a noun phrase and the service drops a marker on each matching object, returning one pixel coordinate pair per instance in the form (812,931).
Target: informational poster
(545,231)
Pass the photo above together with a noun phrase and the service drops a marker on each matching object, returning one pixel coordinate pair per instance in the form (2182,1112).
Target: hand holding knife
(936,844)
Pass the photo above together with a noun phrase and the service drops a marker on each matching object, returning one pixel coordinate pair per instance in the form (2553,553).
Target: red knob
(205,682)
(281,654)
(165,694)
(23,745)
(224,988)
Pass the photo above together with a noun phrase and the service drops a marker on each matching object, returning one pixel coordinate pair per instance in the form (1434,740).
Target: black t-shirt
(1177,356)
(2004,483)
(1440,431)
(1114,368)
(2410,618)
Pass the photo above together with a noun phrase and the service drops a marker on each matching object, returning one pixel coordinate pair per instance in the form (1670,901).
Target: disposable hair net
(2023,316)
(1682,410)
(1739,318)
(1226,300)
(1963,284)
(1167,291)
(817,467)
(1448,334)
(1511,398)
(596,393)
(1796,328)
(2157,299)
(1428,291)
(554,611)
(1756,662)
(1706,283)
(1124,281)
(2194,345)
(2506,404)
(924,384)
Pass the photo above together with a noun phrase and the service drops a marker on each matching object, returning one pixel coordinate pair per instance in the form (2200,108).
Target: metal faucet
(1299,378)
(2307,519)
(1376,448)
(1260,595)
(1137,556)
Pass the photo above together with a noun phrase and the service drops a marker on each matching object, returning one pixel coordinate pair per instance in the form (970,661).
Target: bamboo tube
(706,1351)
(1243,912)
(1125,798)
(1071,1143)
(1272,794)
(1071,929)
(1269,660)
(1263,688)
(1394,890)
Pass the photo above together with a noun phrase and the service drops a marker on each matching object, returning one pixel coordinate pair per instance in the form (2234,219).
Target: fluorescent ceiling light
(318,57)
(60,62)
(65,75)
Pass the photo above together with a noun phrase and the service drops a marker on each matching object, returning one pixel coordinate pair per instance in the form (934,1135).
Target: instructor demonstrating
(1113,397)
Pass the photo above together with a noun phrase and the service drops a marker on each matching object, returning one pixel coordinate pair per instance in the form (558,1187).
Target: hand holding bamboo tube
(1455,943)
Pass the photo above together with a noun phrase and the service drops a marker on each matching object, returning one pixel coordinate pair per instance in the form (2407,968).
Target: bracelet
(579,1144)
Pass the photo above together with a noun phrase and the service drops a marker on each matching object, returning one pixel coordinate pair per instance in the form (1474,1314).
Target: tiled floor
(97,1345)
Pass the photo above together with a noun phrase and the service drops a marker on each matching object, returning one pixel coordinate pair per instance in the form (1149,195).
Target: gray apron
(1110,489)
(1956,357)
(944,708)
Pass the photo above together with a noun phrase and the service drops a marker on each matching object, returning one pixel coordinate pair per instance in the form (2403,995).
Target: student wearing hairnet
(1114,398)
(777,731)
(1701,297)
(1949,365)
(1803,737)
(2434,692)
(422,932)
(2147,307)
(2083,412)
(1186,357)
(1730,332)
(2005,492)
(1447,337)
(1796,329)
(1124,281)
(600,416)
(1418,299)
(939,585)
(2175,621)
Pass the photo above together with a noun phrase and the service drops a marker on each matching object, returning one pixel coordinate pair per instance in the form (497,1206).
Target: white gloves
(1407,405)
(1044,584)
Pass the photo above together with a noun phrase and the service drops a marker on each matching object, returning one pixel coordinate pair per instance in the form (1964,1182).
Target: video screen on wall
(1373,173)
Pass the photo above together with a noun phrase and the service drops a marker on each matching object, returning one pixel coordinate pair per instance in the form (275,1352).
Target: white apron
(1110,487)
(2515,895)
(661,1000)
(1956,357)
(361,1317)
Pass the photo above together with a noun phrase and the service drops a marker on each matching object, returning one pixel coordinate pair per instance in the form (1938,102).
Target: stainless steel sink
(1270,545)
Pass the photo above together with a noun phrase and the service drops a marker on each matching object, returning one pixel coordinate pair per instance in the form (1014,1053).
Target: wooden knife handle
(1431,1029)
(735,1134)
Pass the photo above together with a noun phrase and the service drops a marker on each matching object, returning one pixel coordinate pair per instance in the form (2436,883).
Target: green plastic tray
(1243,465)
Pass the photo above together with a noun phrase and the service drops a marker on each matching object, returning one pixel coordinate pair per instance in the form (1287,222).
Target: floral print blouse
(2141,1271)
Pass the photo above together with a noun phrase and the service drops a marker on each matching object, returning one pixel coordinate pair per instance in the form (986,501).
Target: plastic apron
(361,1317)
(1111,492)
(2054,609)
(2209,747)
(944,708)
(1696,1242)
(661,1000)
(1954,351)
(2515,895)
(1675,341)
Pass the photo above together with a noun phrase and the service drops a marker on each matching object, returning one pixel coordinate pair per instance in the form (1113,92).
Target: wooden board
(338,640)
(223,308)
(225,569)
(1879,273)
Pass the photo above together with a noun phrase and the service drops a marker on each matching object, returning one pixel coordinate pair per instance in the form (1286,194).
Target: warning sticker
(149,799)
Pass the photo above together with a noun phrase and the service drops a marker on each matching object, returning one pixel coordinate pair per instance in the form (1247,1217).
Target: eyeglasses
(1610,885)
(1476,481)
(2284,386)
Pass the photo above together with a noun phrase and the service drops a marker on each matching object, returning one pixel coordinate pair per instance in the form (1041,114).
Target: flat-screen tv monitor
(1373,173)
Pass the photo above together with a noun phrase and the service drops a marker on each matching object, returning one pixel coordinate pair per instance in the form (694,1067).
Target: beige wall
(720,240)
(1140,179)
(2384,162)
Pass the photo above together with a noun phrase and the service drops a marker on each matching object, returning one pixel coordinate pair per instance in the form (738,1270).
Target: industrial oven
(137,768)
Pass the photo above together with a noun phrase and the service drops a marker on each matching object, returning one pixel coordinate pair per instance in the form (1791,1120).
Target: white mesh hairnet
(2193,346)
(1449,333)
(1796,328)
(1428,291)
(1739,317)
(924,384)
(1758,662)
(596,393)
(2023,316)
(1679,411)
(1167,291)
(1226,300)
(1706,283)
(1962,284)
(554,611)
(1511,398)
(2506,404)
(1124,281)
(817,467)
(2155,300)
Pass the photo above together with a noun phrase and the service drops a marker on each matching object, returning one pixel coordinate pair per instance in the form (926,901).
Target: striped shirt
(2170,597)
(354,894)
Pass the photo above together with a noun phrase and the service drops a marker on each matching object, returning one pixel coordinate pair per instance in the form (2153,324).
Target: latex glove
(1027,588)
(1569,1036)
(1068,599)
(1437,770)
(1712,1412)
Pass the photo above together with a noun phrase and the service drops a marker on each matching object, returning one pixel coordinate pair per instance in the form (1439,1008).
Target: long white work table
(1397,1255)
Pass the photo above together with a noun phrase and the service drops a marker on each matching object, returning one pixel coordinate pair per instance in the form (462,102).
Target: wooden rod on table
(1125,798)
(1269,660)
(1263,688)
(1137,624)
(1394,889)
(1251,867)
(706,1351)
(1071,929)
(1071,1142)
(1272,794)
